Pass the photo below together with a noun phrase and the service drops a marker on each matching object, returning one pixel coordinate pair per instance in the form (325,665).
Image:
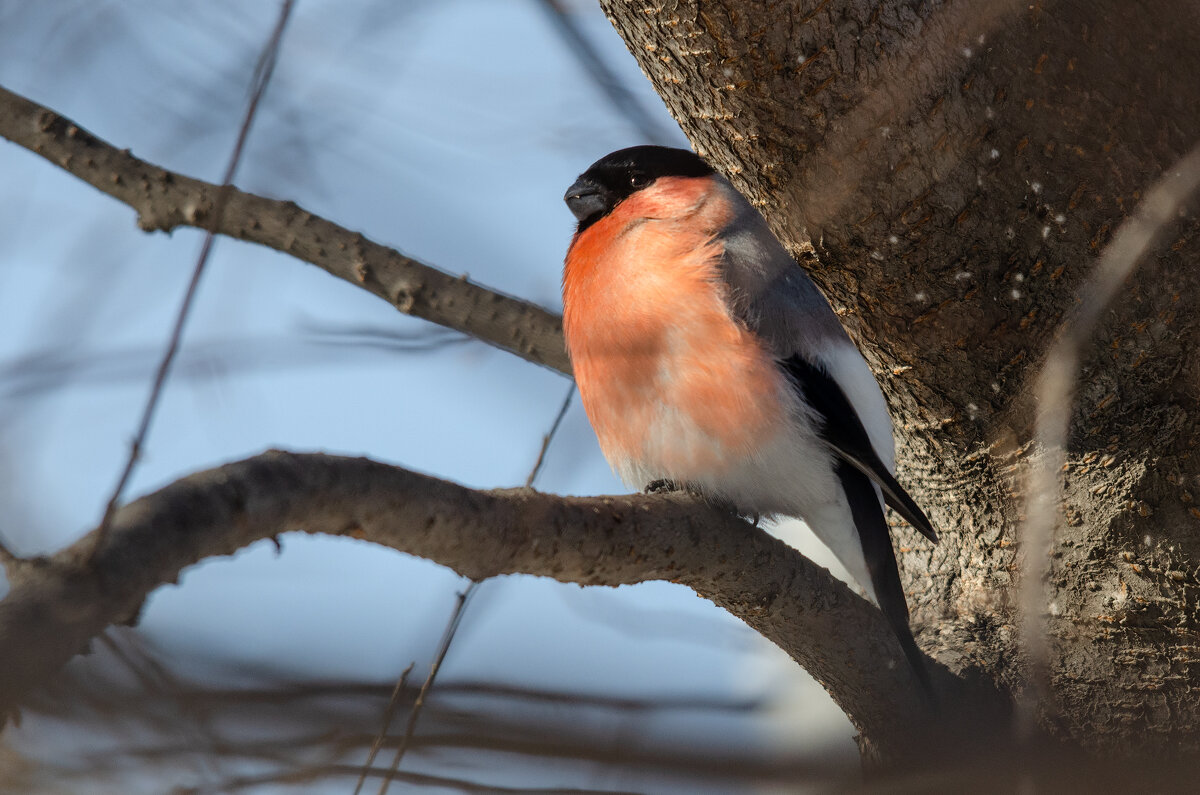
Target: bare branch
(30,377)
(624,101)
(448,634)
(309,774)
(55,608)
(549,437)
(388,712)
(262,77)
(414,715)
(165,200)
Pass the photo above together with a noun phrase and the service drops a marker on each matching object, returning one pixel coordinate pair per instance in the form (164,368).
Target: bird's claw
(752,517)
(664,486)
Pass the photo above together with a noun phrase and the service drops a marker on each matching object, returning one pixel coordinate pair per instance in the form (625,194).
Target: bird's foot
(751,518)
(664,486)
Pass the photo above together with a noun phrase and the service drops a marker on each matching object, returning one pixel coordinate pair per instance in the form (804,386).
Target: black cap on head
(624,172)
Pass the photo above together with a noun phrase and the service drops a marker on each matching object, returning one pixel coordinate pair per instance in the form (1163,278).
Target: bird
(707,359)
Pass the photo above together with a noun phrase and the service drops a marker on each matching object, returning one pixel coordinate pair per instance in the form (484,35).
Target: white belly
(792,474)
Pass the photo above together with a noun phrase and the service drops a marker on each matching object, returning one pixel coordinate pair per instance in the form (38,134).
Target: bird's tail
(867,512)
(916,657)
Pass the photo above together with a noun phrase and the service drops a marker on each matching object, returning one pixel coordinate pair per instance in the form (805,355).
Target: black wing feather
(844,432)
(881,564)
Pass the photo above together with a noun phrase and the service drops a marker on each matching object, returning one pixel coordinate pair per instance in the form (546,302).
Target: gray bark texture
(57,604)
(949,174)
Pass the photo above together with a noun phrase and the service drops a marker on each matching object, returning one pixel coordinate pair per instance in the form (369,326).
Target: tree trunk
(949,174)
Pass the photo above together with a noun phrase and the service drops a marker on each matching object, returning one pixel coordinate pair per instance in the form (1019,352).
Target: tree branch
(57,604)
(165,200)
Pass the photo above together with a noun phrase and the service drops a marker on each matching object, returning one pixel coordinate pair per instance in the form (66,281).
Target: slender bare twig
(156,679)
(1055,397)
(26,378)
(415,714)
(384,338)
(558,418)
(452,625)
(614,89)
(262,77)
(388,712)
(533,743)
(278,692)
(423,779)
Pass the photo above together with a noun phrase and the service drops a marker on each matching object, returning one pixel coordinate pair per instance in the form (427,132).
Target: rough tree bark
(949,172)
(57,604)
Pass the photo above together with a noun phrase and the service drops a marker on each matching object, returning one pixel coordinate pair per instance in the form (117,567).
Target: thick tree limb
(165,200)
(57,605)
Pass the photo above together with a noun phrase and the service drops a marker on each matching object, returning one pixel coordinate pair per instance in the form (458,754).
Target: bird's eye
(639,179)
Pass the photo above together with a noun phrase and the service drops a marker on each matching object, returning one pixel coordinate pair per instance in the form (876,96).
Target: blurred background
(449,131)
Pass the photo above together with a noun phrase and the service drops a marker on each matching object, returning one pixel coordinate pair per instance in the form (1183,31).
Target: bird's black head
(618,175)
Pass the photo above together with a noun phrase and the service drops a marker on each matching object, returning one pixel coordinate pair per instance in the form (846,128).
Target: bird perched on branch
(706,358)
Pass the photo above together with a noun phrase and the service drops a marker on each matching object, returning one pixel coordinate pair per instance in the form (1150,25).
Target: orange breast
(672,384)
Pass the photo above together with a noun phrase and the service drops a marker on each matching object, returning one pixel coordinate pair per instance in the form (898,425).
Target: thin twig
(23,380)
(1055,392)
(418,705)
(377,743)
(624,100)
(287,692)
(154,678)
(262,76)
(423,780)
(451,629)
(558,418)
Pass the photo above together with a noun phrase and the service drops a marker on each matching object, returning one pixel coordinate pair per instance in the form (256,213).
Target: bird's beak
(585,199)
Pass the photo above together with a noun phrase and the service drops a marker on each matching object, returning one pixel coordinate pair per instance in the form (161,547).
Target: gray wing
(771,294)
(842,429)
(768,291)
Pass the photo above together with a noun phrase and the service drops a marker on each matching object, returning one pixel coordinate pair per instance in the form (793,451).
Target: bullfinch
(706,358)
